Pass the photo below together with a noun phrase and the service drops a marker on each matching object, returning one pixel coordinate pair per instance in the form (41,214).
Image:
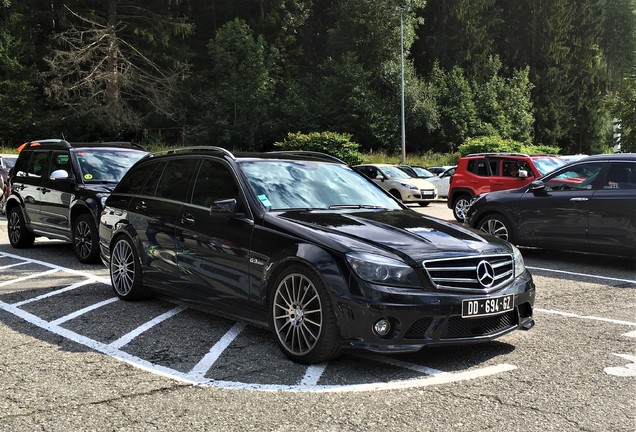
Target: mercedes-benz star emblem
(485,274)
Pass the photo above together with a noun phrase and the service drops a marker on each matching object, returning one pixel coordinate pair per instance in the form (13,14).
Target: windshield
(394,172)
(422,172)
(106,165)
(284,185)
(548,164)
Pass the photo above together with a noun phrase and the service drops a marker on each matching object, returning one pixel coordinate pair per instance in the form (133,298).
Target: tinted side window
(478,167)
(38,164)
(175,179)
(621,176)
(61,161)
(578,177)
(214,182)
(135,181)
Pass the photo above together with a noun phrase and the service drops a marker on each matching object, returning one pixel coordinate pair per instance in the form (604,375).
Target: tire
(460,207)
(396,194)
(85,239)
(497,226)
(19,236)
(302,317)
(423,204)
(126,276)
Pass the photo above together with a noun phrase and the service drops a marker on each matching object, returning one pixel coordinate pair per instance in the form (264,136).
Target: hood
(405,233)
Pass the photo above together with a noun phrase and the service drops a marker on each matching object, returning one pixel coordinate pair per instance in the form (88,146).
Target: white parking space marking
(127,338)
(84,311)
(54,293)
(586,317)
(13,265)
(626,371)
(582,274)
(32,276)
(631,334)
(55,266)
(204,365)
(313,374)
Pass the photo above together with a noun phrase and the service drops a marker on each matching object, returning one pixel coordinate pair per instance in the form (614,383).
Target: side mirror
(225,206)
(522,174)
(537,187)
(59,175)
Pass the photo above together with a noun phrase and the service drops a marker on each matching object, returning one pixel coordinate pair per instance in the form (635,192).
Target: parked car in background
(586,206)
(6,163)
(399,184)
(437,170)
(417,171)
(442,182)
(302,243)
(58,190)
(480,173)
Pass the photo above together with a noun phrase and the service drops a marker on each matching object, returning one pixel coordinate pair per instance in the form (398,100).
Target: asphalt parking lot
(74,357)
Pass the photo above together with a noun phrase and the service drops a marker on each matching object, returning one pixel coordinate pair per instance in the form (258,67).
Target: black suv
(58,190)
(301,242)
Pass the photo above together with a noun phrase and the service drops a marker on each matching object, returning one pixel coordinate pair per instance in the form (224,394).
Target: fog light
(382,327)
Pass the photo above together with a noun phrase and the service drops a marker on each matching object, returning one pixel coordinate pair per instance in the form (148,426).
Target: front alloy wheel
(497,226)
(303,319)
(125,271)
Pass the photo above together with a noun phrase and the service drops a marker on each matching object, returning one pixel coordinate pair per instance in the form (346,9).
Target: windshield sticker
(88,176)
(264,200)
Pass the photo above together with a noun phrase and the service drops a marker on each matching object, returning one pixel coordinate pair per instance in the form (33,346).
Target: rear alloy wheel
(85,239)
(19,235)
(302,317)
(460,207)
(497,226)
(125,271)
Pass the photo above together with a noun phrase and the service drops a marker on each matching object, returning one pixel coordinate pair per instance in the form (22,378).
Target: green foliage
(335,144)
(495,143)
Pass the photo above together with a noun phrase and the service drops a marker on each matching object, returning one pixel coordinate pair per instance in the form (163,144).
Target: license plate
(427,193)
(487,306)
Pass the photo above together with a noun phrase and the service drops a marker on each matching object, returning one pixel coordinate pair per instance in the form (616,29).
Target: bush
(496,144)
(332,143)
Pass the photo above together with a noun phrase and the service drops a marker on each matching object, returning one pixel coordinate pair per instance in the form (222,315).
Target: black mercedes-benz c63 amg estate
(300,242)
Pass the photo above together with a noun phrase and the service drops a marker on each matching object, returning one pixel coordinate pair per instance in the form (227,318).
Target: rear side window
(38,164)
(175,179)
(621,176)
(478,167)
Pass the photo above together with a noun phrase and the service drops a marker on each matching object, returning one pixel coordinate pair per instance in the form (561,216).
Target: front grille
(418,329)
(460,274)
(459,327)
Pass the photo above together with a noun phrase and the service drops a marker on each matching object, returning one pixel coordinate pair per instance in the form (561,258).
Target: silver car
(399,184)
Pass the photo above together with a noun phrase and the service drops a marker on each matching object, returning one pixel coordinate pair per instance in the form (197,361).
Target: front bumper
(431,319)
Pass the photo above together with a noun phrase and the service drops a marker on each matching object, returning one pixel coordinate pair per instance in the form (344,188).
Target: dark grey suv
(58,190)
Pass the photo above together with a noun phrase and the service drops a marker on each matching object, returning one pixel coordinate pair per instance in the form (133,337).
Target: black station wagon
(300,242)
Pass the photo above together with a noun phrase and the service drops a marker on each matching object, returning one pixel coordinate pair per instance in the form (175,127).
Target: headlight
(382,270)
(520,266)
(409,186)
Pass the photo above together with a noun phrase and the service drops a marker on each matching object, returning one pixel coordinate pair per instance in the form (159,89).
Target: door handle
(187,219)
(578,199)
(141,206)
(44,190)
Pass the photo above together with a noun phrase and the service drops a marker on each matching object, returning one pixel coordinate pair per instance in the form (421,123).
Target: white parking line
(127,338)
(586,317)
(201,368)
(54,293)
(83,311)
(33,276)
(313,374)
(14,265)
(55,266)
(582,274)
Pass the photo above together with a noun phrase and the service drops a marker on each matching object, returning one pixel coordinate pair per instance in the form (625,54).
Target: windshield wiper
(354,206)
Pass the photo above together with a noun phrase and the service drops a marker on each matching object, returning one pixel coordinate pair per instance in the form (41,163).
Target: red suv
(480,173)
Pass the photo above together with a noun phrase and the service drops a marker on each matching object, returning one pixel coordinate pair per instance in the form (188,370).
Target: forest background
(243,74)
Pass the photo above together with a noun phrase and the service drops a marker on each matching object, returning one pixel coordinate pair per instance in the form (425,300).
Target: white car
(399,184)
(442,181)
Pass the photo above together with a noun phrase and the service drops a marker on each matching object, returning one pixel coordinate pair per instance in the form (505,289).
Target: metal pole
(402,87)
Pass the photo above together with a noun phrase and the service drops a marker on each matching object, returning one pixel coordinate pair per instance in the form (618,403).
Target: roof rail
(319,155)
(195,148)
(498,154)
(35,143)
